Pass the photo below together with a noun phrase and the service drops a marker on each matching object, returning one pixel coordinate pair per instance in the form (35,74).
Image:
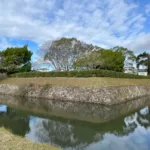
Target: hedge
(79,73)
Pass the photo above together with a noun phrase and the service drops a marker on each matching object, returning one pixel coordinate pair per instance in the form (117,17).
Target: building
(142,72)
(43,70)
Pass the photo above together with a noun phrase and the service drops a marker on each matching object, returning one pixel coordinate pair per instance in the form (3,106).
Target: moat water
(76,126)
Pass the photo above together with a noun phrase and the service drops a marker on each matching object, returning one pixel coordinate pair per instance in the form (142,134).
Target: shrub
(80,73)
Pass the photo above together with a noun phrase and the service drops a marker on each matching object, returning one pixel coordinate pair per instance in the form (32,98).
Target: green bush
(80,73)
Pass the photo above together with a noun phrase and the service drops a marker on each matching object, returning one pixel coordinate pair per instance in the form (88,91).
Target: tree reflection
(15,121)
(70,133)
(78,134)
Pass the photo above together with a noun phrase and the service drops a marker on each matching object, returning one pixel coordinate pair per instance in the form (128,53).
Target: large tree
(102,59)
(144,60)
(130,58)
(62,53)
(16,59)
(89,60)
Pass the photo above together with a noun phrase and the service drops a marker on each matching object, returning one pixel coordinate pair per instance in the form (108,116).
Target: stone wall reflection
(75,110)
(71,134)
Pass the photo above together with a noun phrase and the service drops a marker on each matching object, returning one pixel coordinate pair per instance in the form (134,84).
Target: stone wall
(3,76)
(101,95)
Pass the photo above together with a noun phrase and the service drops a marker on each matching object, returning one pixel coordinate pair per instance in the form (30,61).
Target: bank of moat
(101,95)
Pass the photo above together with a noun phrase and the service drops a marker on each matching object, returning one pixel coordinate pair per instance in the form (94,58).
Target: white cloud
(103,22)
(142,42)
(147,9)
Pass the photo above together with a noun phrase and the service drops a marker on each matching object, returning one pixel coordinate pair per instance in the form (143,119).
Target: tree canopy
(16,58)
(130,58)
(144,60)
(67,53)
(62,53)
(70,53)
(102,59)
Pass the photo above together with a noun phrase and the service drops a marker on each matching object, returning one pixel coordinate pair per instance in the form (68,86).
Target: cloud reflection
(135,134)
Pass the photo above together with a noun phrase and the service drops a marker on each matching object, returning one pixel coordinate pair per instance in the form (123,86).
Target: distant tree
(15,58)
(2,69)
(112,60)
(130,58)
(102,59)
(144,60)
(63,53)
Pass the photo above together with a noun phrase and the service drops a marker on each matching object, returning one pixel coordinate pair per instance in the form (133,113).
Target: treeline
(68,54)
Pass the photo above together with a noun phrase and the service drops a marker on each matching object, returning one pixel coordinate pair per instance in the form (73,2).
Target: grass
(64,81)
(8,141)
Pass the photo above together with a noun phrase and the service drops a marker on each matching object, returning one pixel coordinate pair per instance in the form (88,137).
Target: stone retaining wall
(101,95)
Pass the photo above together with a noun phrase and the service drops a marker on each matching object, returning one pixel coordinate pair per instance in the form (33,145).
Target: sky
(106,23)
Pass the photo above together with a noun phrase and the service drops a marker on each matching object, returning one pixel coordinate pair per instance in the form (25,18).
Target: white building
(43,70)
(142,72)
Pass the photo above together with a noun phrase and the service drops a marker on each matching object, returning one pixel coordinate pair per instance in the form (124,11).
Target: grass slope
(64,81)
(8,141)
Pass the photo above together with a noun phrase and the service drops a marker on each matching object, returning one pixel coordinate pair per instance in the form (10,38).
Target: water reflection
(74,110)
(74,126)
(134,133)
(130,132)
(3,108)
(16,121)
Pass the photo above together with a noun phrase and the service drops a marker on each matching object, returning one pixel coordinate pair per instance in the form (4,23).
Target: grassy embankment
(77,78)
(8,141)
(65,81)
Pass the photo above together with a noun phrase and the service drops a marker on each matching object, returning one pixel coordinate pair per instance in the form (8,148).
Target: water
(76,126)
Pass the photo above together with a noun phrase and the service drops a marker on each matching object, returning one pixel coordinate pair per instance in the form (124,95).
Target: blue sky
(105,23)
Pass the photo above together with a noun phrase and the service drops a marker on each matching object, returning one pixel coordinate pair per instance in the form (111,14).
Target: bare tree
(62,53)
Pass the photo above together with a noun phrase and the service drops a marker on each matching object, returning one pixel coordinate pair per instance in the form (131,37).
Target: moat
(79,126)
